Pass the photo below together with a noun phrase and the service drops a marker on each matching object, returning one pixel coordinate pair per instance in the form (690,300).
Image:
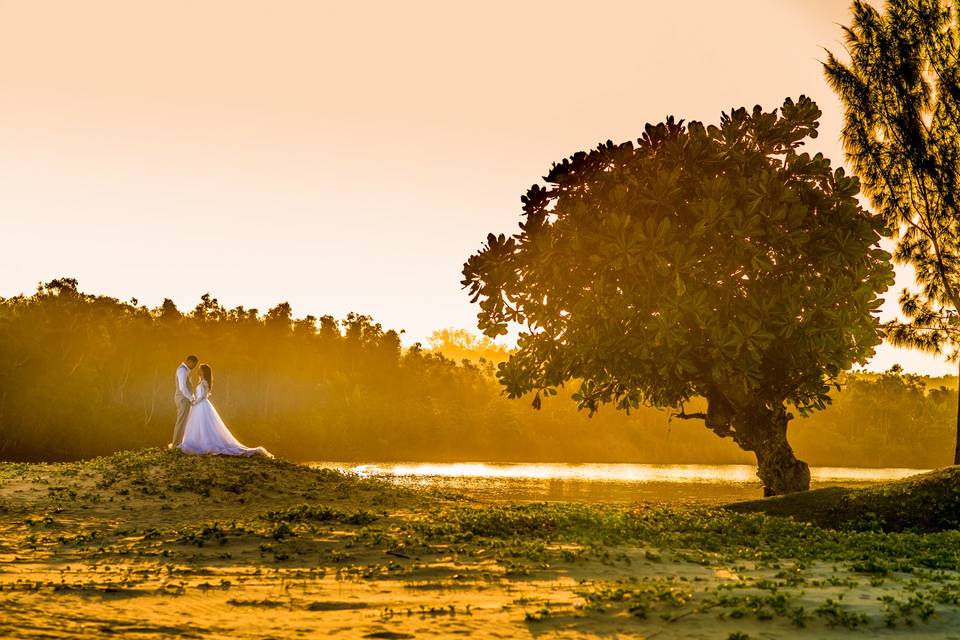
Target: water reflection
(602,482)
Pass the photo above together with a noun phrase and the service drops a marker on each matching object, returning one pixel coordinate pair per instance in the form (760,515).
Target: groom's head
(191,361)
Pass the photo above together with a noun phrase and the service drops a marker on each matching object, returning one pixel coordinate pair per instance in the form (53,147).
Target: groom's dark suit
(182,398)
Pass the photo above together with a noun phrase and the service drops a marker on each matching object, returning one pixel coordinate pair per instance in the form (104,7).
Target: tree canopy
(901,97)
(703,261)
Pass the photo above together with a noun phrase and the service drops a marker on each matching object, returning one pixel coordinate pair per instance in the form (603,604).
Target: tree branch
(683,415)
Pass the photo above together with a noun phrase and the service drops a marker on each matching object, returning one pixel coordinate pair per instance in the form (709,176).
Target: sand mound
(926,502)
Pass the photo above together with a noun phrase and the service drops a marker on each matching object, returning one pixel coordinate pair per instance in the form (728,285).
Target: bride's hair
(206,374)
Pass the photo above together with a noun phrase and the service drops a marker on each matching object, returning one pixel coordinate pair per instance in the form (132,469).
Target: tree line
(84,375)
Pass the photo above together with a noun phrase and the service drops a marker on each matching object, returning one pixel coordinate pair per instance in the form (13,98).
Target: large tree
(901,97)
(702,262)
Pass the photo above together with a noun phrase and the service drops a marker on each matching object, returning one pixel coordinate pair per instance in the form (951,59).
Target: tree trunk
(956,450)
(779,469)
(764,432)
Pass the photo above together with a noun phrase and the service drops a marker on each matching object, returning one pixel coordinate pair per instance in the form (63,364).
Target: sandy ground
(95,550)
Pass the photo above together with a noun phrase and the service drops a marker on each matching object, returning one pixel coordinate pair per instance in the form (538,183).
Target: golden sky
(350,155)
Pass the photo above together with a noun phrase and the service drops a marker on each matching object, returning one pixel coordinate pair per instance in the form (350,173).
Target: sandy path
(288,605)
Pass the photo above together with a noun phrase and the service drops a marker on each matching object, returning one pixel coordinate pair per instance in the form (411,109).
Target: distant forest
(84,375)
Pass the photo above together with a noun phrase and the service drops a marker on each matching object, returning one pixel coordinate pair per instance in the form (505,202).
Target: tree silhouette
(712,262)
(901,96)
(84,375)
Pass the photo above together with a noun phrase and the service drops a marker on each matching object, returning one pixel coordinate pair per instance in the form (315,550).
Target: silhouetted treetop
(710,261)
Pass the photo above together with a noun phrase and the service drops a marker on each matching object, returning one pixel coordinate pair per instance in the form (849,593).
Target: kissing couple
(199,428)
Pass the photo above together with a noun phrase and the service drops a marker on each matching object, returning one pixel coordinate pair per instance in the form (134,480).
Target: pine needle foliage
(901,95)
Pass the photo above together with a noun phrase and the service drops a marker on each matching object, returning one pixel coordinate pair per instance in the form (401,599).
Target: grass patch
(923,503)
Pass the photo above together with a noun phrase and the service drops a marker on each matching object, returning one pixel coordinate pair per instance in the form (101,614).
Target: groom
(183,396)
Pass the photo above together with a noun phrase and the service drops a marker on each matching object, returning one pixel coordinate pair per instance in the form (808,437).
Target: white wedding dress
(205,431)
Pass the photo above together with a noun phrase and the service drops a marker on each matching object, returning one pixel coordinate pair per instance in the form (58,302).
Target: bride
(205,431)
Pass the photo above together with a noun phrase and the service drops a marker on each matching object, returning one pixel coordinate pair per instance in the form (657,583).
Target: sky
(349,156)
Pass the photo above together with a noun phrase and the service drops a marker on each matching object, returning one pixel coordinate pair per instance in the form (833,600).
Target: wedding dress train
(205,431)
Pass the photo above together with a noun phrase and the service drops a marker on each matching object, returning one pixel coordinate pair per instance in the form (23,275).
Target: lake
(526,482)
